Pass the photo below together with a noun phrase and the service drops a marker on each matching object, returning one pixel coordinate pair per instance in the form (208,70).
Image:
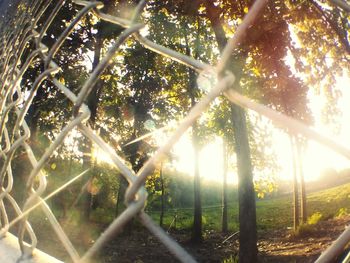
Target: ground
(281,246)
(274,246)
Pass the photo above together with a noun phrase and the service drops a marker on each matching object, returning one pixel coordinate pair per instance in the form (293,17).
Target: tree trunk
(92,102)
(295,185)
(197,217)
(224,228)
(123,184)
(303,208)
(33,117)
(162,196)
(192,89)
(248,251)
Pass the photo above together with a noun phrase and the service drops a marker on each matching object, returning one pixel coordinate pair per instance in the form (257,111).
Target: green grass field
(275,213)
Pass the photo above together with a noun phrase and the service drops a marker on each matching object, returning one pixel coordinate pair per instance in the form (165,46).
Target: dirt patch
(274,246)
(281,246)
(143,247)
(139,246)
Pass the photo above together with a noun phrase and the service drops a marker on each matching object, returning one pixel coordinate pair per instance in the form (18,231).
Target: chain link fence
(19,31)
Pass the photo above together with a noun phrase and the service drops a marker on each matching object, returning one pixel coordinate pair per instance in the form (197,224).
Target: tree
(213,15)
(303,207)
(184,36)
(246,194)
(295,184)
(161,217)
(224,227)
(193,93)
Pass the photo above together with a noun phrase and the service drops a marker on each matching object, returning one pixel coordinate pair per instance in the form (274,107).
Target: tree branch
(341,4)
(338,31)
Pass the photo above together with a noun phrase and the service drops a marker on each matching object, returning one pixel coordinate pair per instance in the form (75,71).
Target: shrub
(314,219)
(342,212)
(304,230)
(308,228)
(231,259)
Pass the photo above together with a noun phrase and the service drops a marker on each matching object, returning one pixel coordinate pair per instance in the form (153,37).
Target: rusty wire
(15,41)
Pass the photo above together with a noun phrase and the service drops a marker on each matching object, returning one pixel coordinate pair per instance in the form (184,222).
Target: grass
(273,213)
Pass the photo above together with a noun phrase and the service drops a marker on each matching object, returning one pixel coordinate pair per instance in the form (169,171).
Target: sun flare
(210,160)
(101,156)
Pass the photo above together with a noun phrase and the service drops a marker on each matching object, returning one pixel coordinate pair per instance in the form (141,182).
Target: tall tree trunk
(295,185)
(192,90)
(224,227)
(162,208)
(248,251)
(303,207)
(33,117)
(123,184)
(92,102)
(197,217)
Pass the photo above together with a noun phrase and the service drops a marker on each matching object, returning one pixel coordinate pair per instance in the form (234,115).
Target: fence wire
(22,31)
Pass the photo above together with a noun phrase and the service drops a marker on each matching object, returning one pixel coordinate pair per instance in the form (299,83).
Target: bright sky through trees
(316,158)
(211,162)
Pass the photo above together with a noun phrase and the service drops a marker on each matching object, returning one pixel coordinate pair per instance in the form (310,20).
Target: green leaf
(53,166)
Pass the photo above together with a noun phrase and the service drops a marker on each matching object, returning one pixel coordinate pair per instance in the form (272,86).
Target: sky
(320,156)
(316,158)
(210,159)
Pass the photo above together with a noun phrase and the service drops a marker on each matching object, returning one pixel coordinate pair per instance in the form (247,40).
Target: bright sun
(210,159)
